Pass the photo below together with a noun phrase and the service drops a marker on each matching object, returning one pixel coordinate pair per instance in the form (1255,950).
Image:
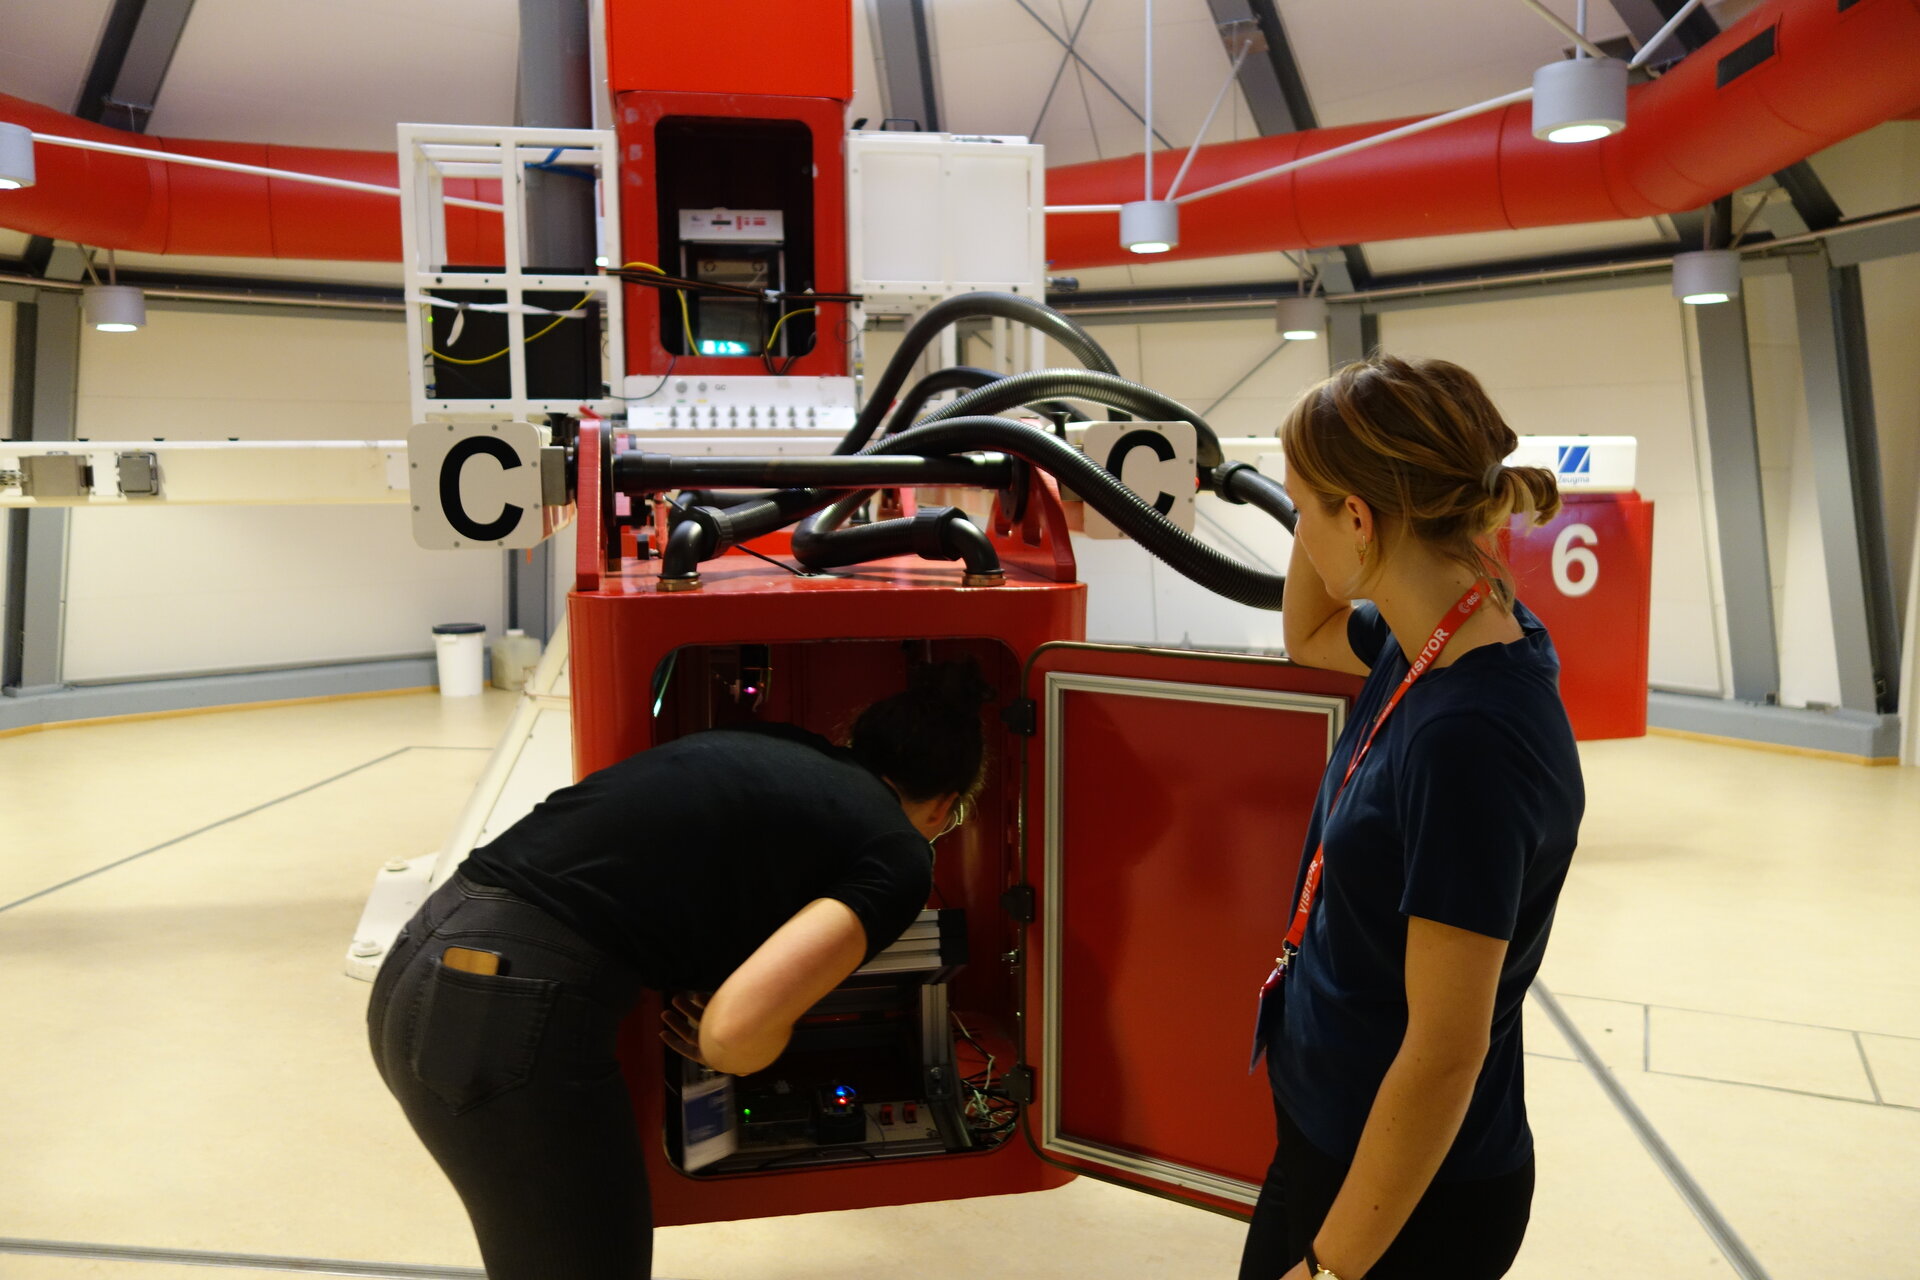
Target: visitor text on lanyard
(1422,662)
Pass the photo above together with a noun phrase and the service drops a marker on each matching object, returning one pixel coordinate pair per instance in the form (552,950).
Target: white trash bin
(515,655)
(460,649)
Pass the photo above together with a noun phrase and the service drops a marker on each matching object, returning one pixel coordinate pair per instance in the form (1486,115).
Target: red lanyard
(1436,645)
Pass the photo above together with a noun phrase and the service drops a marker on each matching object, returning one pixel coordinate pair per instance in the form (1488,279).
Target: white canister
(515,655)
(460,649)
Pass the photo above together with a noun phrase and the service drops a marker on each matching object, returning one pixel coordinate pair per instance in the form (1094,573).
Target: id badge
(1266,1018)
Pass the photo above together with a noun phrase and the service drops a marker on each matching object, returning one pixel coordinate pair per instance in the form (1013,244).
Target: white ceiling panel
(1396,257)
(46,47)
(998,88)
(1189,66)
(13,244)
(868,97)
(1248,268)
(1874,171)
(338,73)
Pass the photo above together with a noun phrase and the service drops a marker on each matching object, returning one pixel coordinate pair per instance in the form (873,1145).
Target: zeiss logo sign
(1575,460)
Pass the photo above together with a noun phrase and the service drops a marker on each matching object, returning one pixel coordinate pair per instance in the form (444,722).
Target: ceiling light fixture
(1706,276)
(114,308)
(16,156)
(1301,319)
(1150,226)
(1580,100)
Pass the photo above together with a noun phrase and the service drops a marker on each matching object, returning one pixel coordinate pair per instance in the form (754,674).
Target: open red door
(1168,795)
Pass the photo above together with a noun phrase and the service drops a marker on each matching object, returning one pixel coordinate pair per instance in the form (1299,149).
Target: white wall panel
(1610,363)
(184,589)
(7,428)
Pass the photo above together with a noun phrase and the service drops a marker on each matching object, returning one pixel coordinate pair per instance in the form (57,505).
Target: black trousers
(1458,1231)
(512,1083)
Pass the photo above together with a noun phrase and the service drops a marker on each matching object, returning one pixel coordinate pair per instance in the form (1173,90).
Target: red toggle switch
(886,1113)
(907,1111)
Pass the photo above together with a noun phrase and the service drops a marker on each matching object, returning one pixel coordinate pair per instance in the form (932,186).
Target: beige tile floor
(185,1068)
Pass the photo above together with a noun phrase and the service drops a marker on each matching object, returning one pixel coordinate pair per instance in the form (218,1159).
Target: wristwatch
(1314,1270)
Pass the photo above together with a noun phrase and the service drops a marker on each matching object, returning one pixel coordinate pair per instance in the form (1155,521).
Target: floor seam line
(211,826)
(1770,1088)
(1866,1065)
(1749,1017)
(1718,1229)
(250,1261)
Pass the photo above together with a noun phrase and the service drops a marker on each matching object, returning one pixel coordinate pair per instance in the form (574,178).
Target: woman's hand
(1298,1272)
(682,1033)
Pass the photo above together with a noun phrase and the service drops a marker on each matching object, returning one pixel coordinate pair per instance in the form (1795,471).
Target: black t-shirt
(1465,812)
(683,859)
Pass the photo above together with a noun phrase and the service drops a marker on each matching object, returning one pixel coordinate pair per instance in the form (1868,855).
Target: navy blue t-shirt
(1465,812)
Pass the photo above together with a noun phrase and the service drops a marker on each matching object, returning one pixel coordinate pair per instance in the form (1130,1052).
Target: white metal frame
(430,154)
(1058,685)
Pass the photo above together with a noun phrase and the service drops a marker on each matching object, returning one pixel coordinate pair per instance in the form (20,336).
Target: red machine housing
(640,115)
(1161,851)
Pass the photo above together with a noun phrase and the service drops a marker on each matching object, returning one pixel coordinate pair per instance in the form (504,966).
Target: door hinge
(1019,716)
(1018,1084)
(1018,903)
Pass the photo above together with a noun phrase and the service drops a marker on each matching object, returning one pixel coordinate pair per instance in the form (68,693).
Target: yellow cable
(686,321)
(686,324)
(775,335)
(529,338)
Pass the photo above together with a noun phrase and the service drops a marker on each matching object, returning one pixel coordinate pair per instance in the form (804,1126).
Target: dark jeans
(1458,1231)
(512,1083)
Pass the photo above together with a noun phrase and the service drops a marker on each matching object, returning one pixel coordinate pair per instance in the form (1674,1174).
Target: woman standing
(763,865)
(1439,841)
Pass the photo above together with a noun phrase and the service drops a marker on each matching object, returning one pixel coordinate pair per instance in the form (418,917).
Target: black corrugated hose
(932,533)
(967,306)
(960,377)
(1086,384)
(1242,483)
(1104,492)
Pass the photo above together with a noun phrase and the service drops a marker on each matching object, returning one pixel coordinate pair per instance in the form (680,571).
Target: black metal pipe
(691,541)
(638,473)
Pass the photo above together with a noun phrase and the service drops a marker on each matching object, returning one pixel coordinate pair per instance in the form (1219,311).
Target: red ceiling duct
(149,206)
(1791,77)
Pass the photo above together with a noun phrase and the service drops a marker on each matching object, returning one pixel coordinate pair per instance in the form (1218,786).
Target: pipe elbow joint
(945,533)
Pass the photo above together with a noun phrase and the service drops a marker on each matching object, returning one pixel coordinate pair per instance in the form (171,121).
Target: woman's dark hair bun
(928,740)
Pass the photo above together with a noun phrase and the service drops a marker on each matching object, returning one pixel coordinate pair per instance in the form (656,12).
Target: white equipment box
(751,406)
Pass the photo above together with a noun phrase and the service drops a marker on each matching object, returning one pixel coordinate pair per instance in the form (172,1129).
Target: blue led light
(723,347)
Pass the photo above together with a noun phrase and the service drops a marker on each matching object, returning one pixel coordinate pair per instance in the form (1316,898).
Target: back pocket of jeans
(478,1035)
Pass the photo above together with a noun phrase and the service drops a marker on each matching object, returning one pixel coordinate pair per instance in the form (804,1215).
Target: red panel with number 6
(1588,574)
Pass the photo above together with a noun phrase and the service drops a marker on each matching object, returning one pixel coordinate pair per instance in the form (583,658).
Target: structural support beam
(905,45)
(47,388)
(1276,95)
(130,62)
(1352,332)
(1846,473)
(1734,456)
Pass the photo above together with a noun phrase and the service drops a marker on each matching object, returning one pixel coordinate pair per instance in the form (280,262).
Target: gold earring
(1363,550)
